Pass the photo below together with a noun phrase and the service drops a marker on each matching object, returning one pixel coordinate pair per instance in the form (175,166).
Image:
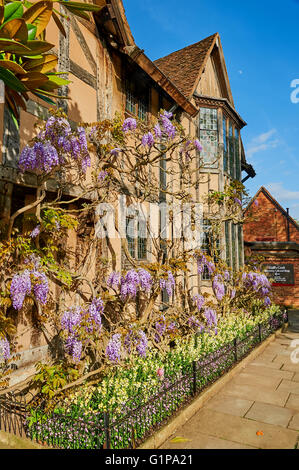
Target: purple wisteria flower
(210,316)
(238,201)
(142,346)
(201,263)
(20,287)
(102,176)
(71,319)
(52,145)
(211,267)
(193,322)
(4,349)
(35,232)
(40,286)
(131,282)
(218,287)
(198,145)
(167,126)
(268,302)
(34,260)
(145,280)
(41,158)
(168,284)
(115,151)
(199,301)
(158,131)
(130,124)
(148,140)
(113,350)
(73,347)
(136,341)
(168,114)
(172,327)
(96,310)
(114,280)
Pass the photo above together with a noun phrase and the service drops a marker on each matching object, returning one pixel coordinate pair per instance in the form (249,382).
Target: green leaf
(12,66)
(44,64)
(11,80)
(10,45)
(82,6)
(45,98)
(78,12)
(31,31)
(13,10)
(54,82)
(39,14)
(38,47)
(15,29)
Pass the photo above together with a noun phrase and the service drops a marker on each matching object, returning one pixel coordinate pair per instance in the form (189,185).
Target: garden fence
(139,419)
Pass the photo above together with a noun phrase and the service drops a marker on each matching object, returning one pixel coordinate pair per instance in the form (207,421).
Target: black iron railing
(139,419)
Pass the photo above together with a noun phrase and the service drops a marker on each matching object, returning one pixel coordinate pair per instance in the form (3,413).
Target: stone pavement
(257,409)
(10,441)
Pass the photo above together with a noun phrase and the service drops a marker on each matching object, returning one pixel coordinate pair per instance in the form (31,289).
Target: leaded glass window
(237,156)
(142,239)
(209,136)
(234,246)
(231,152)
(136,233)
(137,100)
(227,242)
(130,232)
(209,245)
(240,244)
(225,146)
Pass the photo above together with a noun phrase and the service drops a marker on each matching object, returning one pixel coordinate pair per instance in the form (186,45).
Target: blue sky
(261,47)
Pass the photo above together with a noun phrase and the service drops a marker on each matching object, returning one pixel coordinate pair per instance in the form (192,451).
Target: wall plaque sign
(282,274)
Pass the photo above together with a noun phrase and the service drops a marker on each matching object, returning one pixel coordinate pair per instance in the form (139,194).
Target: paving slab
(294,423)
(290,367)
(272,365)
(257,393)
(258,408)
(270,414)
(202,441)
(242,430)
(293,402)
(289,385)
(265,371)
(248,378)
(231,405)
(296,378)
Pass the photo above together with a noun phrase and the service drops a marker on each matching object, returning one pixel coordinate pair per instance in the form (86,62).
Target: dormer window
(137,99)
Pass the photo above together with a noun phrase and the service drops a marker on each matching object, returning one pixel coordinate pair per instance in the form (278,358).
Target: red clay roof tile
(183,66)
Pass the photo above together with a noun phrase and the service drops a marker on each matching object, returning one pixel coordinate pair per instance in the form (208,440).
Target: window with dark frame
(237,156)
(137,99)
(231,151)
(207,241)
(208,134)
(136,234)
(225,145)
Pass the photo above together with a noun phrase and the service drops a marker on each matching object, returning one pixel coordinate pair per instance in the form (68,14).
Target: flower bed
(125,408)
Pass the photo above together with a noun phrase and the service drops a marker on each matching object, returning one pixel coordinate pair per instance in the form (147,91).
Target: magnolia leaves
(39,15)
(24,64)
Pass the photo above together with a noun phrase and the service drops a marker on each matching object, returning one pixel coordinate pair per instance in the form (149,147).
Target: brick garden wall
(266,223)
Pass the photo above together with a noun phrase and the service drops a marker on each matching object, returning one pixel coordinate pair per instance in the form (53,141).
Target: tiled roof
(183,66)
